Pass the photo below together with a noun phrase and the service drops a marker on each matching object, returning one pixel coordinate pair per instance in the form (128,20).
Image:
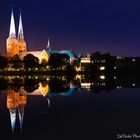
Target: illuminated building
(102,68)
(41,55)
(21,41)
(85,60)
(15,45)
(12,48)
(102,77)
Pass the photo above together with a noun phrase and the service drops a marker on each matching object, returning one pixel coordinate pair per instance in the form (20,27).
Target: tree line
(30,62)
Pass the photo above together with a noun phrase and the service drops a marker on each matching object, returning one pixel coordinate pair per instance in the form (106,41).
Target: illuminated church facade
(16,45)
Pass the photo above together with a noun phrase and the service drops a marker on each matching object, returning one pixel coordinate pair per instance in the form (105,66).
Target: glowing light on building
(78,68)
(119,57)
(47,67)
(103,61)
(133,84)
(102,77)
(103,84)
(85,85)
(115,77)
(78,77)
(133,60)
(85,60)
(102,68)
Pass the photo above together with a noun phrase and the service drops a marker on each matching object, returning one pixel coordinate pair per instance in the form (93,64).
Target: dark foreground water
(80,114)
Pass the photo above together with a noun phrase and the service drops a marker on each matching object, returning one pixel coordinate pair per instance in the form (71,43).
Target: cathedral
(16,45)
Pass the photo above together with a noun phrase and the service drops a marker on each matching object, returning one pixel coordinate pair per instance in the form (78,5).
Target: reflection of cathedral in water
(50,86)
(17,100)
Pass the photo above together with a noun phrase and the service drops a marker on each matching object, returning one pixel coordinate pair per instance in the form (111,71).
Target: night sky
(79,25)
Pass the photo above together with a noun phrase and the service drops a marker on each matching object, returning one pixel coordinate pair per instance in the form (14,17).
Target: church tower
(11,42)
(48,46)
(21,41)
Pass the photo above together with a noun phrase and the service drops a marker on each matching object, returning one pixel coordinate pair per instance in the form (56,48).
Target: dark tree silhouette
(30,61)
(58,60)
(17,62)
(30,85)
(3,62)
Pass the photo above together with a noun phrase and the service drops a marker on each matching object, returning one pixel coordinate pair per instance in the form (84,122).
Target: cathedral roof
(68,52)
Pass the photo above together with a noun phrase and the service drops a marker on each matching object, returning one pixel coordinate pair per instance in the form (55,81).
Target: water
(58,108)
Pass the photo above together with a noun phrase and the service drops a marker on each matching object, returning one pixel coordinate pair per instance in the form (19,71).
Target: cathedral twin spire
(12,33)
(15,43)
(20,29)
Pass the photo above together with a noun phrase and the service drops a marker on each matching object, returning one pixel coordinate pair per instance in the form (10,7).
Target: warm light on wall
(78,68)
(102,77)
(78,77)
(102,68)
(85,60)
(85,85)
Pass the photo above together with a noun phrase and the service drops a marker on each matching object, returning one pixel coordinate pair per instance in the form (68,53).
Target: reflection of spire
(21,104)
(48,43)
(12,103)
(21,116)
(12,33)
(49,103)
(13,118)
(20,29)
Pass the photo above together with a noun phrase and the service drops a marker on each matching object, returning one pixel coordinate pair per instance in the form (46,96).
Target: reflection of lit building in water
(85,62)
(44,89)
(16,101)
(12,104)
(22,101)
(86,85)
